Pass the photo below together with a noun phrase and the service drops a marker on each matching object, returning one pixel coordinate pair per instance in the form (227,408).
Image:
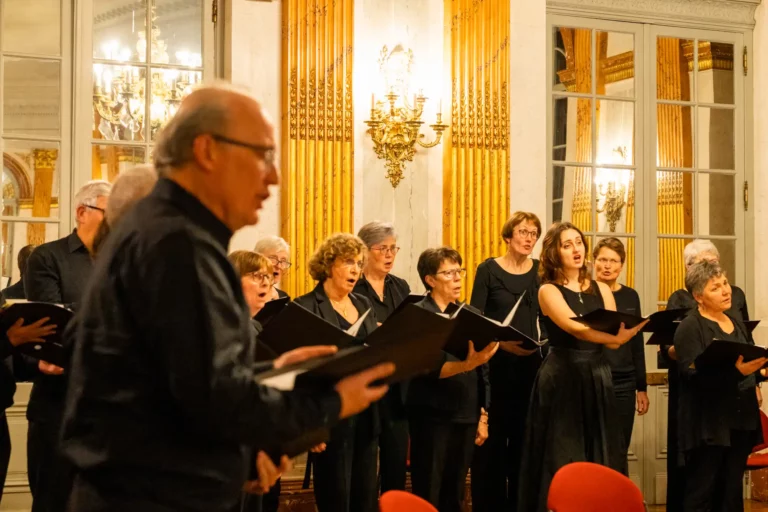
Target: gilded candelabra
(395,131)
(613,202)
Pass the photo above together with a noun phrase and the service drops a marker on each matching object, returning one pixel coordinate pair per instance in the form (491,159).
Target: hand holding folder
(603,320)
(51,349)
(725,353)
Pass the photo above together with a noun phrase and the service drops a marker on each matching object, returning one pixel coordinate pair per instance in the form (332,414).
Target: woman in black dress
(572,404)
(628,361)
(345,473)
(499,283)
(386,292)
(717,411)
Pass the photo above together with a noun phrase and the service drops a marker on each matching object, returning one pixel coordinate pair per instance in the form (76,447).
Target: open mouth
(262,295)
(352,281)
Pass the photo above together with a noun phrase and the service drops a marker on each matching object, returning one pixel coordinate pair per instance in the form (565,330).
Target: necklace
(342,306)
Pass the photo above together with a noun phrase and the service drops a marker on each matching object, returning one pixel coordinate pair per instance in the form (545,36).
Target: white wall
(759,199)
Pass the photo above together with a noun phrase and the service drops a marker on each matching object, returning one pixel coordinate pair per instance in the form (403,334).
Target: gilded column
(45,165)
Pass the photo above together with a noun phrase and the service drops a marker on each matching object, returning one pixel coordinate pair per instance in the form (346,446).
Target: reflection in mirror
(177,28)
(674,136)
(716,204)
(15,238)
(671,266)
(169,87)
(727,250)
(110,160)
(573,59)
(572,130)
(31,175)
(32,26)
(715,142)
(572,196)
(31,97)
(673,80)
(616,132)
(715,79)
(118,29)
(119,102)
(615,202)
(616,64)
(674,203)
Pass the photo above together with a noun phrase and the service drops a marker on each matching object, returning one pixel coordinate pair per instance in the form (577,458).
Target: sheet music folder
(411,339)
(722,353)
(668,337)
(270,310)
(609,321)
(52,350)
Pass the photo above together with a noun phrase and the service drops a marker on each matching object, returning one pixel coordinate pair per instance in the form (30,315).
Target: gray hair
(699,275)
(91,191)
(129,187)
(697,247)
(375,232)
(270,244)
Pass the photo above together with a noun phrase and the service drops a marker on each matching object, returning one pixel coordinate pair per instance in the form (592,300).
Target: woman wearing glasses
(499,283)
(277,252)
(447,408)
(386,292)
(628,361)
(345,473)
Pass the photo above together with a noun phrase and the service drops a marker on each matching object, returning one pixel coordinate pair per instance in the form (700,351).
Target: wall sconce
(613,191)
(395,125)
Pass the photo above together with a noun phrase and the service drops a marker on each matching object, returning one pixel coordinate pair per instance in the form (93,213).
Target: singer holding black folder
(573,406)
(447,409)
(499,283)
(345,473)
(717,411)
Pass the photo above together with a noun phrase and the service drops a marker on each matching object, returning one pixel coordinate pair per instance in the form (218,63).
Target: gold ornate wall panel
(317,167)
(476,165)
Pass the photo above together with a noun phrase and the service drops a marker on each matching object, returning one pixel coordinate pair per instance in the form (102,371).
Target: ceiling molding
(734,14)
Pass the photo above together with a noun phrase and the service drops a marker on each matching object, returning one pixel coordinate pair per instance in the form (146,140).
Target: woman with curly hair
(345,473)
(573,404)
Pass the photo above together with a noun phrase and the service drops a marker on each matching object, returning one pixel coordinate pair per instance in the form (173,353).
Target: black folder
(295,326)
(52,350)
(410,299)
(610,321)
(722,353)
(668,337)
(270,310)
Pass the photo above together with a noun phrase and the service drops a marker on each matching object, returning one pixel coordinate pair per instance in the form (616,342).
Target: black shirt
(56,272)
(15,291)
(628,361)
(161,393)
(395,290)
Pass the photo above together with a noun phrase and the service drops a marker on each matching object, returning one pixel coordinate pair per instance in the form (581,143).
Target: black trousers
(50,475)
(675,462)
(714,475)
(393,454)
(440,456)
(626,400)
(5,451)
(345,473)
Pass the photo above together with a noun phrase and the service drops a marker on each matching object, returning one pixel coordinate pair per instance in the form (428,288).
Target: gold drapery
(317,169)
(476,156)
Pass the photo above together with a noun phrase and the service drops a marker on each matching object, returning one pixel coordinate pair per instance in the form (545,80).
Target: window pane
(573,59)
(109,160)
(715,75)
(674,203)
(119,31)
(627,272)
(31,176)
(572,196)
(674,61)
(573,130)
(177,33)
(615,205)
(715,204)
(616,60)
(671,266)
(16,235)
(674,136)
(31,97)
(23,18)
(716,139)
(118,102)
(616,132)
(169,87)
(727,250)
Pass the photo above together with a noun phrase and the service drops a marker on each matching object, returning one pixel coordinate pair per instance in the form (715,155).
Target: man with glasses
(58,272)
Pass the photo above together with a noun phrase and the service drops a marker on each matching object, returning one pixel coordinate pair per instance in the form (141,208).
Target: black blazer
(318,303)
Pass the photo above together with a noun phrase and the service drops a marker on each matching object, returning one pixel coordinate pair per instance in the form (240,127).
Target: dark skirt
(572,418)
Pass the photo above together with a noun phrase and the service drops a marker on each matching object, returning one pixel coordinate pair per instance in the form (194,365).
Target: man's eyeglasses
(102,210)
(260,277)
(451,274)
(265,152)
(284,264)
(386,249)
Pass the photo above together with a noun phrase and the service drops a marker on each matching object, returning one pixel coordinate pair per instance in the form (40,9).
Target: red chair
(401,501)
(588,487)
(760,460)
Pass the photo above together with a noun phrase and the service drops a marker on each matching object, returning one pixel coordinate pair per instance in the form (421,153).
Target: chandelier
(120,95)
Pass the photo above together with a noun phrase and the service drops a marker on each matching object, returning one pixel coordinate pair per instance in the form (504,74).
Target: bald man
(162,396)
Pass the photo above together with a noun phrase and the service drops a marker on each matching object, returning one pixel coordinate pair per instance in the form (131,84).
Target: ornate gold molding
(45,158)
(711,55)
(320,110)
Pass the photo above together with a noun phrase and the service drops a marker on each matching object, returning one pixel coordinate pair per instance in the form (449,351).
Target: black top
(395,290)
(15,291)
(56,272)
(457,399)
(580,303)
(281,294)
(7,381)
(161,392)
(628,361)
(713,401)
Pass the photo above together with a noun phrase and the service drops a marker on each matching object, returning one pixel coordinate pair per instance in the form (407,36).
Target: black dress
(496,464)
(572,408)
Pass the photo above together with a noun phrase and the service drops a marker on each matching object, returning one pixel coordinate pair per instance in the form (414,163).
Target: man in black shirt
(161,394)
(16,290)
(58,272)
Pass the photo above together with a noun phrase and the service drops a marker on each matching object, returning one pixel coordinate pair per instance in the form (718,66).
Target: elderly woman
(345,473)
(277,252)
(717,410)
(499,283)
(255,272)
(447,409)
(386,292)
(628,361)
(694,252)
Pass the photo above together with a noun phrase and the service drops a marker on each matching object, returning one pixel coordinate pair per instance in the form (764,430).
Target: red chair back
(764,427)
(401,501)
(588,487)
